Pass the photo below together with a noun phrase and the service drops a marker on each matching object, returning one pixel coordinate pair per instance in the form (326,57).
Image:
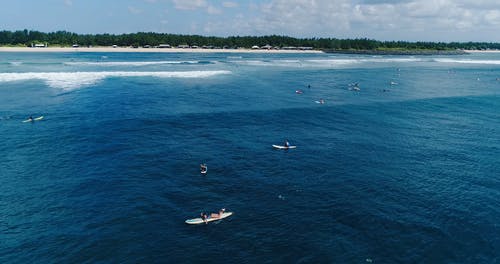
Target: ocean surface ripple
(404,170)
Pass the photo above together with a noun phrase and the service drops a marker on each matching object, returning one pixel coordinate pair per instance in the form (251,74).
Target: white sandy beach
(128,49)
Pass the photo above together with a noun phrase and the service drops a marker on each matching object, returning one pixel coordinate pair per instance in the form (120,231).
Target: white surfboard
(34,119)
(197,221)
(283,147)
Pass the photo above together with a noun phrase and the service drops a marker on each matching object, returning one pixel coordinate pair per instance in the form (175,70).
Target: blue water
(401,173)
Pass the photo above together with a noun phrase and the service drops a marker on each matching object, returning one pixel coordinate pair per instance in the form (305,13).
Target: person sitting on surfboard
(203,168)
(204,217)
(287,144)
(30,118)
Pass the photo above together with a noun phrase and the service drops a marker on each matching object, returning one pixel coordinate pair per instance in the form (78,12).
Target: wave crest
(72,80)
(468,61)
(129,63)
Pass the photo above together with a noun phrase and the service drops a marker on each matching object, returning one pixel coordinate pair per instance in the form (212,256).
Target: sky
(409,20)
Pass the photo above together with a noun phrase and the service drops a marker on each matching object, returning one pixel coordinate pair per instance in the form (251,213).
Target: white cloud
(492,17)
(229,4)
(380,19)
(189,4)
(134,10)
(300,17)
(213,10)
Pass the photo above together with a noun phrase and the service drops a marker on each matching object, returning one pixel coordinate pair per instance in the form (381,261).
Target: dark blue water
(401,173)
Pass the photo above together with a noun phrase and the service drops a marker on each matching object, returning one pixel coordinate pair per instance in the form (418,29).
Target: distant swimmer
(354,87)
(309,86)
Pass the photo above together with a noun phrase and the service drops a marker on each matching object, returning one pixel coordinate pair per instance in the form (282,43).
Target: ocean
(404,170)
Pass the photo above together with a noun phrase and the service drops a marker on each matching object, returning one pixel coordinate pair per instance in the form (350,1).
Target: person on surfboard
(204,217)
(203,168)
(287,144)
(219,215)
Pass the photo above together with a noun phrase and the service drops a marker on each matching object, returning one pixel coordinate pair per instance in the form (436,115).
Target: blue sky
(427,20)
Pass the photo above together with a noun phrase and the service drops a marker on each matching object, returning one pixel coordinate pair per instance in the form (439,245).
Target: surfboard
(197,221)
(34,119)
(283,147)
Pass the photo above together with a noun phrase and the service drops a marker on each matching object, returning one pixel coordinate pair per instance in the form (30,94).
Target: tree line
(64,38)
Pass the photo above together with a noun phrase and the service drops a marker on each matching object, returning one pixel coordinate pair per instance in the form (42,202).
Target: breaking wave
(331,62)
(131,63)
(492,62)
(72,80)
(15,63)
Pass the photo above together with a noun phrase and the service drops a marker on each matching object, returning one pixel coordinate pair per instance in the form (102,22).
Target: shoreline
(150,50)
(259,51)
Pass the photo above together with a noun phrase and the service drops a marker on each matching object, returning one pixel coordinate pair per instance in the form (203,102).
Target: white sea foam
(72,80)
(271,63)
(334,62)
(15,63)
(492,62)
(328,63)
(392,60)
(126,63)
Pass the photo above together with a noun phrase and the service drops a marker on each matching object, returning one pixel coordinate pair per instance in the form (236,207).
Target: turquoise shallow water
(406,172)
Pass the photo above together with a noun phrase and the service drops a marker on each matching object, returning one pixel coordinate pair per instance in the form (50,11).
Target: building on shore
(164,46)
(38,45)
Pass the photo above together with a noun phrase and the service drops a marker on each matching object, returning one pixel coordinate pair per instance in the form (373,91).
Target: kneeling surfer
(203,168)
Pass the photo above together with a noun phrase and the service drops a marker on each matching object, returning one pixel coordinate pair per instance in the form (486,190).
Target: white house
(38,45)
